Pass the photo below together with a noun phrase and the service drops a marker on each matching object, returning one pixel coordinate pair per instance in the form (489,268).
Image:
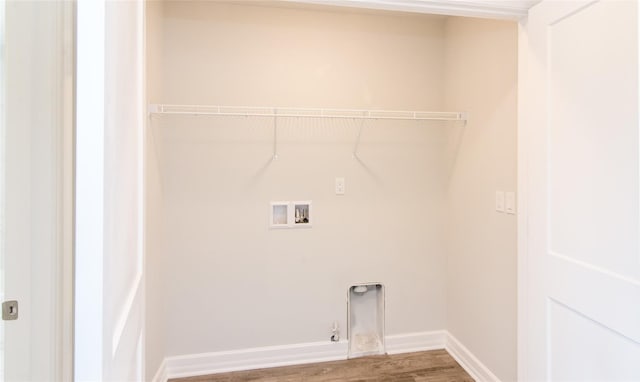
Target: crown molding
(495,9)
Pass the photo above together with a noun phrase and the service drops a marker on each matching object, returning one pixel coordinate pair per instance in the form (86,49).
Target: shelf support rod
(275,134)
(357,144)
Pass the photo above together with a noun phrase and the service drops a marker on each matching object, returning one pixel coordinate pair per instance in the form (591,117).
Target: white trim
(161,374)
(510,10)
(125,312)
(66,179)
(297,354)
(523,210)
(142,191)
(254,358)
(472,365)
(413,342)
(89,190)
(3,174)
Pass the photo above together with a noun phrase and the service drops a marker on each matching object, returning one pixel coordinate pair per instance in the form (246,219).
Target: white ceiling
(500,9)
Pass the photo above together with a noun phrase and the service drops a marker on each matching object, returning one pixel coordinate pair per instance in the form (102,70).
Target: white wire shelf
(288,112)
(278,112)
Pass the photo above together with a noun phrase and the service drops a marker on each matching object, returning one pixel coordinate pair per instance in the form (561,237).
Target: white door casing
(37,162)
(109,190)
(579,177)
(125,116)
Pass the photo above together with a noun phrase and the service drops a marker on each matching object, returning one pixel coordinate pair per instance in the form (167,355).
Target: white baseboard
(472,365)
(254,358)
(161,374)
(412,342)
(273,356)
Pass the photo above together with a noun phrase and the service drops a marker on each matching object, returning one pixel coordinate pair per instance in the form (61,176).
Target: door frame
(65,145)
(58,94)
(66,199)
(522,200)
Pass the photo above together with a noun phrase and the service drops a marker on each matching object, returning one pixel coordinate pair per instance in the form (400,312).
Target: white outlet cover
(500,201)
(340,187)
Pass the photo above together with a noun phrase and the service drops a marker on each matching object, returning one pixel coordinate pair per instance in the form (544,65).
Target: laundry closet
(389,141)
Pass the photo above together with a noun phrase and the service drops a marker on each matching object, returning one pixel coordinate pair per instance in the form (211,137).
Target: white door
(579,154)
(109,283)
(35,190)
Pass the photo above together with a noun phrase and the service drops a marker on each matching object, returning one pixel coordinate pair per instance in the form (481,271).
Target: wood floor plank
(428,366)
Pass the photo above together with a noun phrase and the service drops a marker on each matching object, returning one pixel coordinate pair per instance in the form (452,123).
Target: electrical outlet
(340,188)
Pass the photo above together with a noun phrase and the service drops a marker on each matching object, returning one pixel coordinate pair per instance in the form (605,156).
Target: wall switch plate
(510,203)
(340,189)
(500,201)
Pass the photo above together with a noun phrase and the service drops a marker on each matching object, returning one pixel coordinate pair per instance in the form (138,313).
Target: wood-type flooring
(432,366)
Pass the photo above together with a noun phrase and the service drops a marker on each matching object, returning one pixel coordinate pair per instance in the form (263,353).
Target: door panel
(593,142)
(582,280)
(594,362)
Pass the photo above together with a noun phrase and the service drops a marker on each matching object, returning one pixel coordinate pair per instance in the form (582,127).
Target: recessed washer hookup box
(366,306)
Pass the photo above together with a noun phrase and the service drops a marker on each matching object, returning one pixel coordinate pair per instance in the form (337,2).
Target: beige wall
(239,284)
(481,78)
(230,282)
(245,55)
